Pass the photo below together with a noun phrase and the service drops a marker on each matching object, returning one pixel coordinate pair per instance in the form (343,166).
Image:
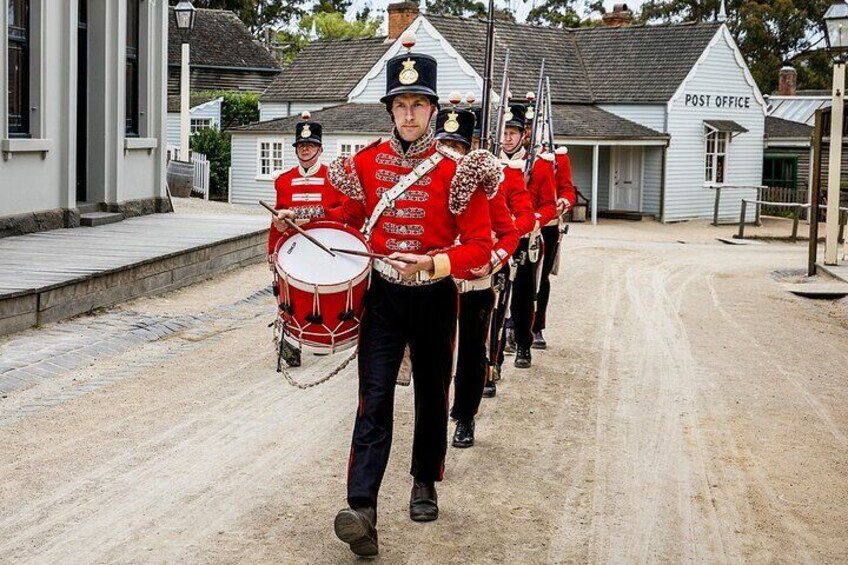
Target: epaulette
(561,151)
(547,157)
(515,163)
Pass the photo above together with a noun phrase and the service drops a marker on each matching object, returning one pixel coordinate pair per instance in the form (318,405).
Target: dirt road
(688,410)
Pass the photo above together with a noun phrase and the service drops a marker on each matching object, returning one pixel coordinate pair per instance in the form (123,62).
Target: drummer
(437,227)
(303,194)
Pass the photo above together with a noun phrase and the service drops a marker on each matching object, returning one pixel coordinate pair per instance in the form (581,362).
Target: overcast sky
(520,7)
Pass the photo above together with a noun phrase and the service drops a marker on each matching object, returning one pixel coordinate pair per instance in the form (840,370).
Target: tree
(339,6)
(256,14)
(770,34)
(468,8)
(555,13)
(217,148)
(328,25)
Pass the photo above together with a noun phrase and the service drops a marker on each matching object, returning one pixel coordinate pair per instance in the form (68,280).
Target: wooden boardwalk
(53,275)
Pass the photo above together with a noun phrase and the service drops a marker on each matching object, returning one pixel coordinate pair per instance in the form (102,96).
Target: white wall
(649,115)
(211,110)
(652,180)
(273,110)
(454,73)
(247,188)
(720,74)
(31,182)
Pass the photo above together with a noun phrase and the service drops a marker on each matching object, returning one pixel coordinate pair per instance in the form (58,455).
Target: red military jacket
(442,207)
(307,193)
(541,186)
(565,186)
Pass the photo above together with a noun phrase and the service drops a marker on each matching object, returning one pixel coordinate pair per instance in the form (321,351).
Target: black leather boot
(522,358)
(423,502)
(463,436)
(539,340)
(509,347)
(358,528)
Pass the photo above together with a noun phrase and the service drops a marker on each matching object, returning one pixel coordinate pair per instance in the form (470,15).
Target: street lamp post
(836,21)
(185,14)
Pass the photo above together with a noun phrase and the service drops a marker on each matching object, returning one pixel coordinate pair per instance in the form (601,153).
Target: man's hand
(563,206)
(481,271)
(415,264)
(279,219)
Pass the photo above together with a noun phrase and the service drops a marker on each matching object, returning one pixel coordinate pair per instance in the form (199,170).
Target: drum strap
(388,199)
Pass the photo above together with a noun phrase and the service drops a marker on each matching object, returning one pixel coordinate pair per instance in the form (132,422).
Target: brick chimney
(401,14)
(788,83)
(621,16)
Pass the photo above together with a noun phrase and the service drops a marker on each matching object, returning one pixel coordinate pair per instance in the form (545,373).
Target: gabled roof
(219,39)
(777,128)
(345,118)
(528,45)
(641,63)
(326,70)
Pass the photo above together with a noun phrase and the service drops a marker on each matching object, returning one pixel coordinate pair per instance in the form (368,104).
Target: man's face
(411,114)
(308,153)
(475,143)
(512,138)
(460,148)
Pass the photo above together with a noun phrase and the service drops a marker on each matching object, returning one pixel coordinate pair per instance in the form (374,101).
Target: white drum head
(304,261)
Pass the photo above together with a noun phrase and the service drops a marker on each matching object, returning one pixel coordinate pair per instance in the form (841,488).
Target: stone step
(88,207)
(94,219)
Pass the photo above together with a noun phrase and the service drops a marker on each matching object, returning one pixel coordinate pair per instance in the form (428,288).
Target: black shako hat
(307,131)
(410,73)
(456,124)
(516,116)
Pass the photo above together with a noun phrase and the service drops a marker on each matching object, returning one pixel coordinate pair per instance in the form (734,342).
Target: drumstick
(298,229)
(372,255)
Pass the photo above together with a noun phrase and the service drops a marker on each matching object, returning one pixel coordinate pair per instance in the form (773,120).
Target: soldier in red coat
(421,205)
(542,188)
(303,194)
(455,129)
(566,196)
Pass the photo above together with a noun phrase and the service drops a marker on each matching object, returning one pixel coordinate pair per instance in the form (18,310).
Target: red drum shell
(321,317)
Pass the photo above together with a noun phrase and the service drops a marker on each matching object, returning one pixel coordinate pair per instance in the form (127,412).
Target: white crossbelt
(473,285)
(389,273)
(389,197)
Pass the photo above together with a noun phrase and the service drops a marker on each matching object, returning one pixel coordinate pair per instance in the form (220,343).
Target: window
(270,158)
(19,71)
(780,171)
(132,86)
(348,149)
(716,156)
(198,124)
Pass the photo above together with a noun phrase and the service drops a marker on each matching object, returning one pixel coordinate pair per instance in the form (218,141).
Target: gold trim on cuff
(441,266)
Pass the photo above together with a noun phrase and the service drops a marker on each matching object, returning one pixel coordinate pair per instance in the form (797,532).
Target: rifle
(488,69)
(531,153)
(497,327)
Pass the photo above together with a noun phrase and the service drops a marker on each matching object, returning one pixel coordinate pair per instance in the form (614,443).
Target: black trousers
(550,235)
(523,298)
(425,318)
(475,313)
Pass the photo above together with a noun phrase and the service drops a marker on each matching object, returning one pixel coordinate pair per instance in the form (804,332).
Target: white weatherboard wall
(210,110)
(247,187)
(454,72)
(119,168)
(648,115)
(720,74)
(273,110)
(652,180)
